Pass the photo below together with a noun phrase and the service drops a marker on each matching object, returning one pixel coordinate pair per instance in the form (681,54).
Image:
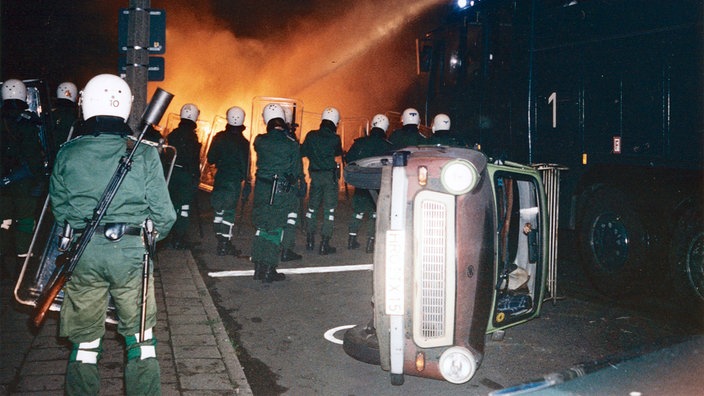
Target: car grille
(434,269)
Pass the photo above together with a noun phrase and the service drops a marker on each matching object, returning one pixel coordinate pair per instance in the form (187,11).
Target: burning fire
(342,61)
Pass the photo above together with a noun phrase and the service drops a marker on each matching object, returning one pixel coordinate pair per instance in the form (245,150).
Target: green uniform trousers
(109,268)
(224,201)
(362,203)
(323,190)
(182,191)
(269,221)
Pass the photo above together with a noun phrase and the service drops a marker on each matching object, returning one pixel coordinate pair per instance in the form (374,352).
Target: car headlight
(459,177)
(457,365)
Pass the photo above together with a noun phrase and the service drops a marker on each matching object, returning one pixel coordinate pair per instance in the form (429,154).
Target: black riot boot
(225,247)
(272,276)
(259,270)
(370,245)
(325,247)
(310,241)
(352,242)
(290,255)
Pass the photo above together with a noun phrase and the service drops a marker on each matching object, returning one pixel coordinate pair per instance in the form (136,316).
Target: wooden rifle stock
(47,298)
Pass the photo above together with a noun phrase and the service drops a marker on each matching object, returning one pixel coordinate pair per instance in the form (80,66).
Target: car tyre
(361,343)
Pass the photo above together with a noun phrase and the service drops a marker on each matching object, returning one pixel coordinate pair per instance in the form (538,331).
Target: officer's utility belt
(335,172)
(115,231)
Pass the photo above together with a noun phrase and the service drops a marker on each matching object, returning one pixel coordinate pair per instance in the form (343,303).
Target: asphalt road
(278,330)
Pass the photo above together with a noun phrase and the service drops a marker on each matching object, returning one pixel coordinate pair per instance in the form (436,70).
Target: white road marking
(330,334)
(303,270)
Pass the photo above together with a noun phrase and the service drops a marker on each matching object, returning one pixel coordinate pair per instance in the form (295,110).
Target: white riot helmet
(271,111)
(410,116)
(190,111)
(380,121)
(67,90)
(441,122)
(14,89)
(331,114)
(235,116)
(106,95)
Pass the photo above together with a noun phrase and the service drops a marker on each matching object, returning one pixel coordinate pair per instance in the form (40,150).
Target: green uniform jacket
(446,138)
(85,165)
(185,140)
(321,147)
(369,146)
(408,135)
(277,154)
(63,116)
(229,152)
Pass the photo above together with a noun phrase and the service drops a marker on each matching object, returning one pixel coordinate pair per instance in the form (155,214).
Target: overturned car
(461,251)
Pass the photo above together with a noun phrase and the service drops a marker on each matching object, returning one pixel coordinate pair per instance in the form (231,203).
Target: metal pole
(138,58)
(551,182)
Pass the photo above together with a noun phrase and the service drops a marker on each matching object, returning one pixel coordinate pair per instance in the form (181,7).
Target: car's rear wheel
(360,342)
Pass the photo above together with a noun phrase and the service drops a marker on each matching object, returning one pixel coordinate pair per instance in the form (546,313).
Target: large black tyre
(360,342)
(612,244)
(686,255)
(366,173)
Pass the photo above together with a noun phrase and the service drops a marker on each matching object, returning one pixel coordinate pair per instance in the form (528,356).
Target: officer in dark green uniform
(362,200)
(442,134)
(186,174)
(321,147)
(408,134)
(288,241)
(229,152)
(278,166)
(110,266)
(21,167)
(65,112)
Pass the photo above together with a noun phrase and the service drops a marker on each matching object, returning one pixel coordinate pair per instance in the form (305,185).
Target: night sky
(213,46)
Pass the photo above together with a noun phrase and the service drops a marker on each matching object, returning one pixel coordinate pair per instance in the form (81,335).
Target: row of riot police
(279,185)
(280,182)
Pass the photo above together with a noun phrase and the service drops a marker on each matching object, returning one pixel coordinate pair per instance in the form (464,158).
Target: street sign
(157,30)
(155,70)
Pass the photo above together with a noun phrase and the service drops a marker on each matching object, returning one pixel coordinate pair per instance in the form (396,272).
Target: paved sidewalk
(195,353)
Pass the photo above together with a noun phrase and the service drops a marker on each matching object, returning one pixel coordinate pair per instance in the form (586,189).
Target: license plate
(395,244)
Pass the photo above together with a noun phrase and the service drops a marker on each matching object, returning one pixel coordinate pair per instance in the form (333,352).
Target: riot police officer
(186,173)
(278,166)
(111,265)
(229,153)
(21,169)
(321,146)
(442,134)
(65,112)
(362,201)
(408,134)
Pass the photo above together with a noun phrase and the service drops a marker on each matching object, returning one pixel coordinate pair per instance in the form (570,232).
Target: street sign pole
(137,58)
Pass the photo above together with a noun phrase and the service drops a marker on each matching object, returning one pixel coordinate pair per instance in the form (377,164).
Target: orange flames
(357,62)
